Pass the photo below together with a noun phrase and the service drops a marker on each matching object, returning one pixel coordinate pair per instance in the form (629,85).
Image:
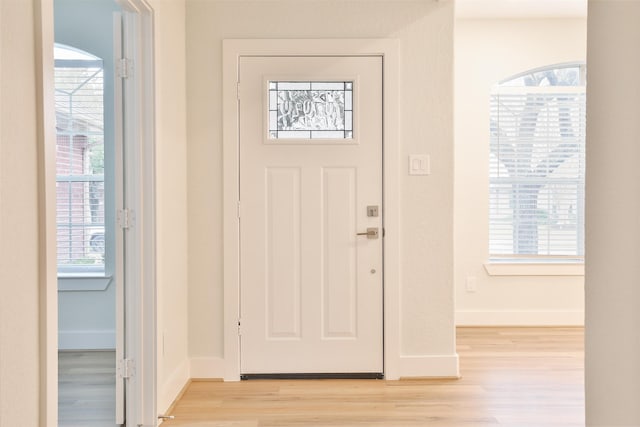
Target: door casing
(233,49)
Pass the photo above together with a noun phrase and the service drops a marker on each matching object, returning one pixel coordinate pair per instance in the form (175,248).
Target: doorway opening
(89,254)
(105,221)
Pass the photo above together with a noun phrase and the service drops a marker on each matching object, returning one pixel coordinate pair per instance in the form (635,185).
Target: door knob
(371,233)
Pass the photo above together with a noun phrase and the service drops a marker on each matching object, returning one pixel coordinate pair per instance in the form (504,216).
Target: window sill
(534,269)
(78,282)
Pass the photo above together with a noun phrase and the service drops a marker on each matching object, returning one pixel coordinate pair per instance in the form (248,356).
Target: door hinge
(124,67)
(238,90)
(239,327)
(125,218)
(238,209)
(126,368)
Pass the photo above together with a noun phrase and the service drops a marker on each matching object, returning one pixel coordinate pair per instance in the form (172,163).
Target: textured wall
(171,198)
(19,266)
(613,209)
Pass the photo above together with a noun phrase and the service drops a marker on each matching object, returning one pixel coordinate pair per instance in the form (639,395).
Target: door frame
(140,188)
(388,50)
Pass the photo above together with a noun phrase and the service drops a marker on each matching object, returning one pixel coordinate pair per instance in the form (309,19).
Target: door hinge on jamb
(238,90)
(124,68)
(238,209)
(125,218)
(239,327)
(126,368)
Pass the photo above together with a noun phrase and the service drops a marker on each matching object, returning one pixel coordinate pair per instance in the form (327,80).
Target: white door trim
(140,190)
(388,50)
(48,269)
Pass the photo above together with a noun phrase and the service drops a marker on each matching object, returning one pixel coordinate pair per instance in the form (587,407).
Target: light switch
(419,164)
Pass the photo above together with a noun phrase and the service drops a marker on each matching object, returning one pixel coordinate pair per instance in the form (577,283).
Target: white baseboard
(446,366)
(519,318)
(87,340)
(408,367)
(207,367)
(173,386)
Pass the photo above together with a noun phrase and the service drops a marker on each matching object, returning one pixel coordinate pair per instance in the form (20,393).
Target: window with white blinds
(537,166)
(79,97)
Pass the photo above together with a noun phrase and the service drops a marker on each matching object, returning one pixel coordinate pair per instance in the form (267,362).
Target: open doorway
(89,256)
(105,213)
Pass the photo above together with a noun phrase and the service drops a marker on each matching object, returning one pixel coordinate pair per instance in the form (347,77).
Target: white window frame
(81,59)
(532,264)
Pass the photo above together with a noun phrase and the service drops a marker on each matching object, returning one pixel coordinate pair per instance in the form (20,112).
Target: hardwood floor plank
(86,388)
(514,377)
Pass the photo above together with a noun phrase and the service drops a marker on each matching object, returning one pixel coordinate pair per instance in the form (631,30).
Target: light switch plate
(419,164)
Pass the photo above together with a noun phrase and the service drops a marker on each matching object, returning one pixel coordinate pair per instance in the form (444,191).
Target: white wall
(613,209)
(19,261)
(171,198)
(424,30)
(487,51)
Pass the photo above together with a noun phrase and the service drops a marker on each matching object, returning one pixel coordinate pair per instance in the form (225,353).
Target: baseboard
(174,387)
(213,368)
(519,318)
(87,340)
(207,367)
(446,366)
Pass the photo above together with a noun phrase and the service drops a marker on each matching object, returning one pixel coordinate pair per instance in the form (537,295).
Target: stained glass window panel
(310,110)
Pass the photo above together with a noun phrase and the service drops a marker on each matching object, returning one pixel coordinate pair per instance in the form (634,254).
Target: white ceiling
(520,8)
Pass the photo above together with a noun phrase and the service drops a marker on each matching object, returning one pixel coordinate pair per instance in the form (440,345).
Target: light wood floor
(519,377)
(86,388)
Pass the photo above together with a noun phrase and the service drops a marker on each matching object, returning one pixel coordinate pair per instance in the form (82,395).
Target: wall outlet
(472,284)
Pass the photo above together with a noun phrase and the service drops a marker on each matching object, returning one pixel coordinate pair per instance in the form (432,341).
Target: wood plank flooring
(518,377)
(86,388)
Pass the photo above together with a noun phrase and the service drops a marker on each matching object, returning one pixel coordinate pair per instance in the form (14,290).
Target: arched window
(537,165)
(79,97)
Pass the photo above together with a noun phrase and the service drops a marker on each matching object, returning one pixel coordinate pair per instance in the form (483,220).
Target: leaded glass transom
(310,110)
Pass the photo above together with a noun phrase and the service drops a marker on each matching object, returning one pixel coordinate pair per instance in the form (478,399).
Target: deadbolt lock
(372,211)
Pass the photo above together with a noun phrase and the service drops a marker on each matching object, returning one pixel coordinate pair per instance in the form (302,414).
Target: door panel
(340,255)
(310,164)
(283,201)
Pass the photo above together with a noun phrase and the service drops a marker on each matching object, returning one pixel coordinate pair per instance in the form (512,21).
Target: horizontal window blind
(536,175)
(80,165)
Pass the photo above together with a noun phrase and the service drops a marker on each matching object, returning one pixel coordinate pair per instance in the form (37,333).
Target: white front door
(310,181)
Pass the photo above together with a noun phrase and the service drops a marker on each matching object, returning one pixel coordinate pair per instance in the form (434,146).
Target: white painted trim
(519,318)
(444,366)
(173,386)
(119,183)
(140,264)
(207,367)
(84,284)
(48,283)
(87,340)
(389,50)
(534,269)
